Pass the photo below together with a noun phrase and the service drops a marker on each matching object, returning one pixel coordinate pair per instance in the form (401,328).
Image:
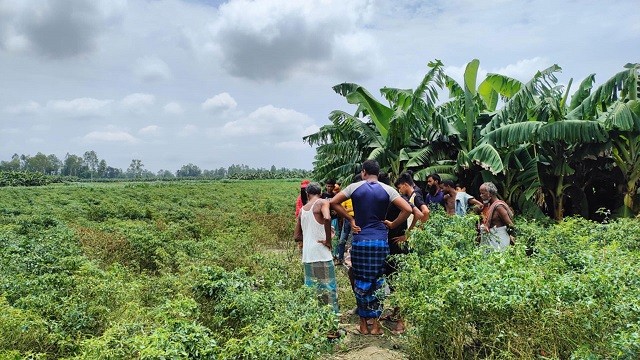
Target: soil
(354,346)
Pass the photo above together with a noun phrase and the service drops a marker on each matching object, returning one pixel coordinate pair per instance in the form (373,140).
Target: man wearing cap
(302,198)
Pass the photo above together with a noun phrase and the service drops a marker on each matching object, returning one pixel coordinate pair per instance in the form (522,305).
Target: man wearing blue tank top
(370,247)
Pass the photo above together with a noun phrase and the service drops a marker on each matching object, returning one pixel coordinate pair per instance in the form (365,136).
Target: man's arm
(297,234)
(478,205)
(425,212)
(417,215)
(405,211)
(336,205)
(326,216)
(504,216)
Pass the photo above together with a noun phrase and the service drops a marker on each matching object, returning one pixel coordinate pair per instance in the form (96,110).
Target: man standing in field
(369,248)
(458,202)
(497,217)
(434,193)
(313,234)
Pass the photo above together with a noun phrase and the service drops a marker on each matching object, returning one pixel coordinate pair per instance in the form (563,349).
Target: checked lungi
(322,276)
(367,259)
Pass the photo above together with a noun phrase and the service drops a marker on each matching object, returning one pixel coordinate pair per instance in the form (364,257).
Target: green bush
(577,295)
(195,270)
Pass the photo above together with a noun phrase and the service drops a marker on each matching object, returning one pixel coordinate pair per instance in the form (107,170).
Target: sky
(215,83)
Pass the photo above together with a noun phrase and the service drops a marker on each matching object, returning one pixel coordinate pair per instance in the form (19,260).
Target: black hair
(435,177)
(449,183)
(384,178)
(303,195)
(371,167)
(405,178)
(330,182)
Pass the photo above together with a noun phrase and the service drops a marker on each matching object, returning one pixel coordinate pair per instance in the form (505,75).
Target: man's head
(329,185)
(487,191)
(448,187)
(314,189)
(404,184)
(371,167)
(461,188)
(433,182)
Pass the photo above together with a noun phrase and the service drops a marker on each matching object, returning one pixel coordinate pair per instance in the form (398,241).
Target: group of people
(378,217)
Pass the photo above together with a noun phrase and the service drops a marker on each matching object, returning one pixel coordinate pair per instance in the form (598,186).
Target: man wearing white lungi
(497,218)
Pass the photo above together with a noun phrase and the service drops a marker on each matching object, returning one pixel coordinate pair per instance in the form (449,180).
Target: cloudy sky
(216,83)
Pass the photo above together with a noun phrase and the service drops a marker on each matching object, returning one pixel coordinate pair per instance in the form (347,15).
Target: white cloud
(220,102)
(267,124)
(28,108)
(173,108)
(11,131)
(188,130)
(138,100)
(151,69)
(524,69)
(35,140)
(41,127)
(291,145)
(151,130)
(80,106)
(110,136)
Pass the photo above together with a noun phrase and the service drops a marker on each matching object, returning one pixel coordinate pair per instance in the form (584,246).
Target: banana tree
(391,134)
(536,117)
(615,104)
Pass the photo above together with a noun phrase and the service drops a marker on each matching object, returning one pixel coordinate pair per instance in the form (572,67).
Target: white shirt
(312,233)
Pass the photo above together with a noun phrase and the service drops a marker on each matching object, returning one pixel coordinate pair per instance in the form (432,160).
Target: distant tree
(273,168)
(135,168)
(12,165)
(90,159)
(73,165)
(54,165)
(165,174)
(112,173)
(189,170)
(102,168)
(42,163)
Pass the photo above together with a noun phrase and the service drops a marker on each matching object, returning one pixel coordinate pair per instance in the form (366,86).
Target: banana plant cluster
(533,139)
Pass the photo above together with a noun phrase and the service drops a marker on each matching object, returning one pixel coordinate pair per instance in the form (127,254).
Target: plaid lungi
(322,276)
(368,258)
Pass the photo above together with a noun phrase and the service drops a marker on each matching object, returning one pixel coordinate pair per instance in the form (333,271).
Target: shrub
(576,296)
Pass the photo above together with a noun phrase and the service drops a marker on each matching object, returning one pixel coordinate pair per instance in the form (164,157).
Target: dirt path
(354,346)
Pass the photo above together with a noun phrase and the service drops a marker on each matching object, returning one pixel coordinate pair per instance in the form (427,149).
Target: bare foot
(399,327)
(375,328)
(364,330)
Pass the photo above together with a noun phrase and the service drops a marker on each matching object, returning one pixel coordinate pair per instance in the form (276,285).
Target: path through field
(354,346)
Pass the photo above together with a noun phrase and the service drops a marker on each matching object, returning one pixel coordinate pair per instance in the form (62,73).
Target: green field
(155,271)
(204,270)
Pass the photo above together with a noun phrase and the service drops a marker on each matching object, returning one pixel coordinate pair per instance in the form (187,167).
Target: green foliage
(165,270)
(27,178)
(575,297)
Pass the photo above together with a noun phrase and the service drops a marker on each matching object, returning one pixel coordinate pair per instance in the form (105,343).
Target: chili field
(209,270)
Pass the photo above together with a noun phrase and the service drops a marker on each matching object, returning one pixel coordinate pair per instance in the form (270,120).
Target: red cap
(304,183)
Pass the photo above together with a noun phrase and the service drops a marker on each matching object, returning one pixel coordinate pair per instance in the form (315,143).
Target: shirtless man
(497,217)
(458,202)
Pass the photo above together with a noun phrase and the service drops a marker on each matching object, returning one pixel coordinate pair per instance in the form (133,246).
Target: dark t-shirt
(438,198)
(392,213)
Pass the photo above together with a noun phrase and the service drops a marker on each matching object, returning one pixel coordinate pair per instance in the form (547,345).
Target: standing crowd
(377,219)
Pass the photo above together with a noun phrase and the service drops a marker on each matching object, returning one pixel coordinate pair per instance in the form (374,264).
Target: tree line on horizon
(90,167)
